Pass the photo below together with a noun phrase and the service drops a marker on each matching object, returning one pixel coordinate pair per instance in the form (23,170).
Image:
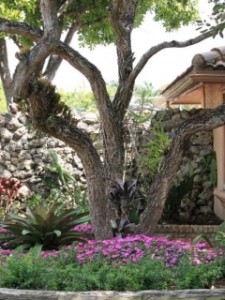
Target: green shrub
(191,276)
(48,226)
(23,271)
(63,272)
(145,274)
(33,272)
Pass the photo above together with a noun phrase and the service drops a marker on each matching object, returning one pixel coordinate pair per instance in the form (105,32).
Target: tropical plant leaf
(202,237)
(25,232)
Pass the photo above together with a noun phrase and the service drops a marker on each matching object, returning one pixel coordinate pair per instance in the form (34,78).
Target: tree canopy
(92,24)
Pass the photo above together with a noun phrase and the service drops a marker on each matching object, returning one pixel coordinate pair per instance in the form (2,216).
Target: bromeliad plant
(51,227)
(9,188)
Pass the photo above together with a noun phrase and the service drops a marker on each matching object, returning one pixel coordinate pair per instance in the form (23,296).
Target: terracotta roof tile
(211,60)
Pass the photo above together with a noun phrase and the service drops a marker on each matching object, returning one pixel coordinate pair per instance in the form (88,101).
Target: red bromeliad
(9,190)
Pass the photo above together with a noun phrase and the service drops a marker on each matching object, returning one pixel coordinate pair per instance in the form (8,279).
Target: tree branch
(31,65)
(72,56)
(121,106)
(109,119)
(55,60)
(172,44)
(74,137)
(122,16)
(21,28)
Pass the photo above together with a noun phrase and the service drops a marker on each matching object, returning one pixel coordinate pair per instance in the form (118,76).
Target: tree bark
(37,55)
(94,172)
(55,61)
(43,107)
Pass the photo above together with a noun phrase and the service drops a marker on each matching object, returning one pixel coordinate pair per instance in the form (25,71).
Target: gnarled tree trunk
(46,117)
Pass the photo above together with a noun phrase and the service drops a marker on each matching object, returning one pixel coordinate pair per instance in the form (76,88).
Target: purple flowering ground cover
(134,247)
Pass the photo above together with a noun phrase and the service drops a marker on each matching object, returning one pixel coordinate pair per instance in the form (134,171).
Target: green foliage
(208,162)
(99,32)
(155,148)
(23,271)
(112,88)
(3,105)
(82,100)
(140,119)
(146,274)
(94,26)
(144,95)
(190,276)
(48,226)
(218,239)
(216,21)
(63,186)
(25,11)
(63,176)
(174,198)
(79,100)
(63,273)
(21,10)
(174,14)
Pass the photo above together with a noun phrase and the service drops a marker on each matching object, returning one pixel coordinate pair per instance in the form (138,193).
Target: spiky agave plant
(122,195)
(49,226)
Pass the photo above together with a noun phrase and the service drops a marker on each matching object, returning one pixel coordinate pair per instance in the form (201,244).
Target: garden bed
(134,263)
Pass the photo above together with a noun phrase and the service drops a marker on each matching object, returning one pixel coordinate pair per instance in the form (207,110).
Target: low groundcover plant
(134,263)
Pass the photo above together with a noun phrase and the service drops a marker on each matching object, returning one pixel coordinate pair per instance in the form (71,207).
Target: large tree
(41,25)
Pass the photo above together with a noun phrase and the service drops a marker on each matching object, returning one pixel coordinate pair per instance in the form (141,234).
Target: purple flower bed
(132,248)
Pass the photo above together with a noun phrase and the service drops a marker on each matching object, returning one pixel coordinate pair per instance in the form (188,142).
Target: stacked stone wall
(24,153)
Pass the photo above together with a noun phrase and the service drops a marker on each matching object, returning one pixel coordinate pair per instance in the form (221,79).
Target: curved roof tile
(214,59)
